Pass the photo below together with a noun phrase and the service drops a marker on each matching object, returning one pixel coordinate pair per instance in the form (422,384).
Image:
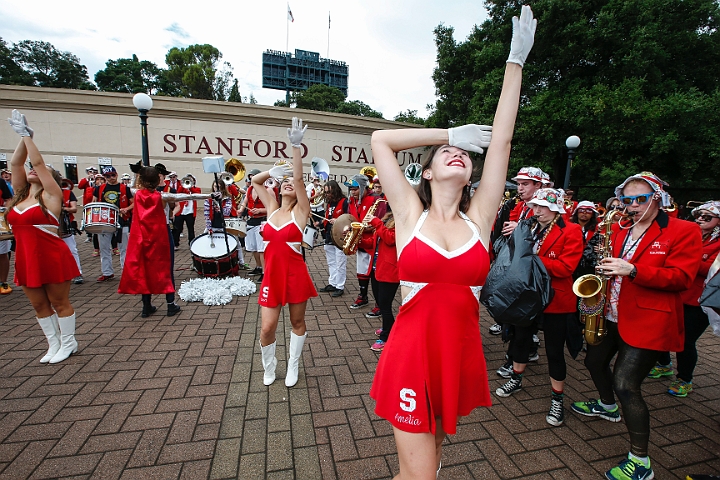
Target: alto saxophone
(593,289)
(351,241)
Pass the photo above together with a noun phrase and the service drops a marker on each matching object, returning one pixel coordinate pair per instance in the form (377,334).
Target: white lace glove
(296,133)
(18,122)
(523,36)
(281,171)
(470,137)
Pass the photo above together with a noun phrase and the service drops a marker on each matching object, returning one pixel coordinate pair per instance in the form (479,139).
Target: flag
(290,15)
(328,20)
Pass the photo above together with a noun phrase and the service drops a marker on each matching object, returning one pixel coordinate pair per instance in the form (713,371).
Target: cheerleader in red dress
(33,214)
(286,278)
(432,369)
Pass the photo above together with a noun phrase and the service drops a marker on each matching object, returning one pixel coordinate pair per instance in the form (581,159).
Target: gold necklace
(547,231)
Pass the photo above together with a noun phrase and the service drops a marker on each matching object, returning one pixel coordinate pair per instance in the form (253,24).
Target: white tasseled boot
(51,330)
(296,346)
(269,362)
(68,344)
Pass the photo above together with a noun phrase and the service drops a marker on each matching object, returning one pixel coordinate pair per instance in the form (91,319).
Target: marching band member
(38,245)
(121,196)
(313,190)
(87,185)
(218,207)
(288,280)
(437,371)
(654,259)
(696,320)
(126,179)
(186,215)
(7,178)
(5,245)
(257,215)
(359,202)
(166,186)
(335,205)
(586,215)
(382,209)
(69,206)
(559,245)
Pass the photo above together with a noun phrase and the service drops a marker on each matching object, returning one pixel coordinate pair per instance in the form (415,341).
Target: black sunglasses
(706,217)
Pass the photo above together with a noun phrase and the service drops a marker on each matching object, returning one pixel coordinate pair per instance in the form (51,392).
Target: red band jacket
(561,253)
(383,239)
(710,249)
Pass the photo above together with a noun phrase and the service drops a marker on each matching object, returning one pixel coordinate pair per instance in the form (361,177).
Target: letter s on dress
(407,399)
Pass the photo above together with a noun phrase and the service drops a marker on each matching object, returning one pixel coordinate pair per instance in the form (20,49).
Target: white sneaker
(496,329)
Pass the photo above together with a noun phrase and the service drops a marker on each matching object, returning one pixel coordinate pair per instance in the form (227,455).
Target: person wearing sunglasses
(121,196)
(654,259)
(696,320)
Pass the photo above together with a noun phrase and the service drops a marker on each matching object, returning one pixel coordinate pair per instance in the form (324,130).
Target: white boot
(51,330)
(269,362)
(68,344)
(296,345)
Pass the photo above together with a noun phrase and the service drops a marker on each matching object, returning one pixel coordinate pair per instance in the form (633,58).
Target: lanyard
(623,252)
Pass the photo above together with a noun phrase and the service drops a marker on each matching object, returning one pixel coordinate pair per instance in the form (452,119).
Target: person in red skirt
(437,371)
(286,279)
(33,213)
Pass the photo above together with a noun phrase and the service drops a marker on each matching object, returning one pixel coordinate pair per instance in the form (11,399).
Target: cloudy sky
(388,45)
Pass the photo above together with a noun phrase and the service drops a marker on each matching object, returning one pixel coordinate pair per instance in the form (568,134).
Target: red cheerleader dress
(41,256)
(433,363)
(286,278)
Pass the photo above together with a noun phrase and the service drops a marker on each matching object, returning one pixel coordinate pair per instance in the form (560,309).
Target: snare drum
(211,257)
(5,228)
(309,235)
(99,217)
(236,226)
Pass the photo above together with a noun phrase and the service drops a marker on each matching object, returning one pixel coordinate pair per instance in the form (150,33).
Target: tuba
(351,241)
(236,169)
(370,172)
(593,289)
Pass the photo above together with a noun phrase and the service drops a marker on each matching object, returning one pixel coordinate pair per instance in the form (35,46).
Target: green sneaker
(630,470)
(592,408)
(679,388)
(661,371)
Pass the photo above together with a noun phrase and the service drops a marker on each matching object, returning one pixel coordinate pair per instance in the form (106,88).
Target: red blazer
(650,309)
(194,203)
(710,249)
(561,253)
(84,185)
(384,239)
(517,213)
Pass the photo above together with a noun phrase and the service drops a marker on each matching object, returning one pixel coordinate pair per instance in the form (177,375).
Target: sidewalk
(182,397)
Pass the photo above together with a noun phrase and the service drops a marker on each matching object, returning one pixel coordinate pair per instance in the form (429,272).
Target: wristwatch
(633,273)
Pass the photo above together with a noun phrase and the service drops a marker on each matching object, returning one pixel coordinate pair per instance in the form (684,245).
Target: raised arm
(484,203)
(265,197)
(296,134)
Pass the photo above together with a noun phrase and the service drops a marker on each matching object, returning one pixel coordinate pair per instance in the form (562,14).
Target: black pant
(555,327)
(631,368)
(521,342)
(384,297)
(178,222)
(696,321)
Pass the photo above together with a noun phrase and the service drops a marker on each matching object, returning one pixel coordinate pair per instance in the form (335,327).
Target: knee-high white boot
(269,362)
(296,345)
(51,330)
(68,344)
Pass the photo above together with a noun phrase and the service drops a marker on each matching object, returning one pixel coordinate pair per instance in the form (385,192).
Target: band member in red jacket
(187,215)
(359,202)
(559,245)
(335,205)
(696,320)
(654,259)
(586,215)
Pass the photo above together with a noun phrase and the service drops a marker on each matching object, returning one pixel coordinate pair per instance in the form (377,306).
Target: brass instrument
(602,211)
(318,196)
(187,182)
(351,241)
(695,203)
(226,178)
(370,172)
(236,169)
(568,204)
(593,289)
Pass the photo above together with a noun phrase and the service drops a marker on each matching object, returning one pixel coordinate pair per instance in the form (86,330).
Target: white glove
(281,171)
(19,124)
(295,134)
(470,137)
(523,36)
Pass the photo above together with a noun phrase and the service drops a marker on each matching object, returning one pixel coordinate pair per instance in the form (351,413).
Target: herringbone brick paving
(182,397)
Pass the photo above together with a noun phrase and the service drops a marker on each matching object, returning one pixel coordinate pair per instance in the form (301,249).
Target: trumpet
(227,178)
(187,182)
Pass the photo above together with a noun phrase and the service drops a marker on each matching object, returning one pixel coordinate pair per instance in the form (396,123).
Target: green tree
(409,116)
(234,95)
(129,75)
(50,67)
(637,80)
(318,97)
(10,72)
(197,72)
(357,108)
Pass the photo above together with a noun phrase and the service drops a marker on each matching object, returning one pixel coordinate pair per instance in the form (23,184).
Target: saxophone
(593,289)
(351,241)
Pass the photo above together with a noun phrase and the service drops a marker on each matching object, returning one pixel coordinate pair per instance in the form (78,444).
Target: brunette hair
(335,194)
(592,223)
(148,178)
(424,191)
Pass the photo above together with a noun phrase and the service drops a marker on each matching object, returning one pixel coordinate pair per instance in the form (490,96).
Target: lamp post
(571,143)
(143,103)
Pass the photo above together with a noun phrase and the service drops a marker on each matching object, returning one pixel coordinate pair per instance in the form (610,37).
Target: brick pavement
(182,397)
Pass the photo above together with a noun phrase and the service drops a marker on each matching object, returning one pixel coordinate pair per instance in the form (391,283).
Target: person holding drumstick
(288,280)
(33,214)
(437,371)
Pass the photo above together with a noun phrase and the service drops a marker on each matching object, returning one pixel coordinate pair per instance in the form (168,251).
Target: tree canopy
(130,75)
(45,66)
(636,80)
(328,99)
(197,72)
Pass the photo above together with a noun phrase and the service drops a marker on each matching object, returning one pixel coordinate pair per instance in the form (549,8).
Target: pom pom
(213,291)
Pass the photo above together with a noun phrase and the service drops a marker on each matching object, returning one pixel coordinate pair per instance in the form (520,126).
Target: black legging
(385,295)
(521,342)
(631,368)
(178,222)
(555,328)
(696,321)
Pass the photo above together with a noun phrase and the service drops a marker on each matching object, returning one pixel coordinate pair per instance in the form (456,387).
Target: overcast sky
(388,45)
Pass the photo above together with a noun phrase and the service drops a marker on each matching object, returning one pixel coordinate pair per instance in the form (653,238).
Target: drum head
(338,229)
(236,226)
(202,246)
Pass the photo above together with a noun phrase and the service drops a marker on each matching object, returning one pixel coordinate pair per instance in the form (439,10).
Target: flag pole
(328,48)
(287,34)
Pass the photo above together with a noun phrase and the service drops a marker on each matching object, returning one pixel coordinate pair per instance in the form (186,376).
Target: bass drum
(236,226)
(211,256)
